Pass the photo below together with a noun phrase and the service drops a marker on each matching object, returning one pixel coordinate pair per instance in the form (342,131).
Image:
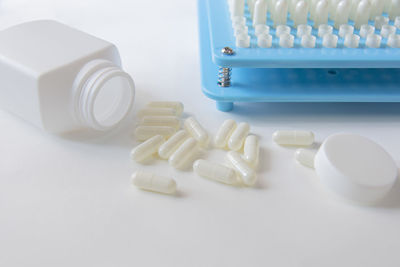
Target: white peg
(243,41)
(286,40)
(194,128)
(142,133)
(353,9)
(224,133)
(380,21)
(397,22)
(152,182)
(373,41)
(183,154)
(264,40)
(308,41)
(215,171)
(362,13)
(247,174)
(388,30)
(146,150)
(251,150)
(303,29)
(351,40)
(261,29)
(394,41)
(366,30)
(260,12)
(330,40)
(282,29)
(376,8)
(345,29)
(324,29)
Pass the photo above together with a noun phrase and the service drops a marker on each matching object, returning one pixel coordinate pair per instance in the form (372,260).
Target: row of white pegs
(159,129)
(320,11)
(325,31)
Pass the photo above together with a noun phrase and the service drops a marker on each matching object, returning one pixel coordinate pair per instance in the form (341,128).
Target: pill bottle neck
(103,95)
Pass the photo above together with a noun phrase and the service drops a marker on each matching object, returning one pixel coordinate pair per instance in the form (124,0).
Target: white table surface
(69,202)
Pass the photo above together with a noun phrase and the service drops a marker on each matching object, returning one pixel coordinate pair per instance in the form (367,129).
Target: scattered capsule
(247,174)
(293,138)
(170,121)
(305,157)
(239,134)
(147,149)
(215,171)
(177,106)
(251,150)
(197,131)
(224,132)
(143,133)
(172,144)
(153,182)
(184,153)
(157,112)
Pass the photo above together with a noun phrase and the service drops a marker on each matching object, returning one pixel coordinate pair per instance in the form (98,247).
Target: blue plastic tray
(221,35)
(292,85)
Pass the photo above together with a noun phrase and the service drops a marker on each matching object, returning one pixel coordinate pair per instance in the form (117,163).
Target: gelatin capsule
(305,157)
(153,182)
(215,171)
(251,150)
(293,138)
(147,149)
(170,121)
(197,131)
(247,174)
(171,145)
(239,134)
(143,133)
(184,152)
(157,112)
(177,106)
(224,133)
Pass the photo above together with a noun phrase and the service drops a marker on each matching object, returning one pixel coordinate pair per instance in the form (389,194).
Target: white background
(69,202)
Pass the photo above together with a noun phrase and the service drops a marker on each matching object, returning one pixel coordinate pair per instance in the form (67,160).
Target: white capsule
(373,41)
(300,13)
(153,182)
(342,13)
(353,8)
(237,7)
(303,29)
(224,133)
(146,150)
(388,30)
(184,153)
(157,112)
(308,41)
(197,131)
(171,145)
(351,40)
(280,12)
(170,121)
(251,150)
(345,29)
(246,173)
(321,13)
(324,29)
(362,13)
(143,133)
(215,171)
(293,138)
(366,30)
(238,136)
(260,12)
(305,157)
(177,106)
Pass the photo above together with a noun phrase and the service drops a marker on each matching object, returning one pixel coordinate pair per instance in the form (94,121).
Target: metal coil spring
(224,77)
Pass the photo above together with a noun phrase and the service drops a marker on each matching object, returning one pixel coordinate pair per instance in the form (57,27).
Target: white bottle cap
(355,168)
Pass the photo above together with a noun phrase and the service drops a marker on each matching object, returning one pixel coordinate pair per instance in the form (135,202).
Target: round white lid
(355,167)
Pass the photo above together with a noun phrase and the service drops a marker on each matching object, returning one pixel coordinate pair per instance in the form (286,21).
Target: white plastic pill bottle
(61,79)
